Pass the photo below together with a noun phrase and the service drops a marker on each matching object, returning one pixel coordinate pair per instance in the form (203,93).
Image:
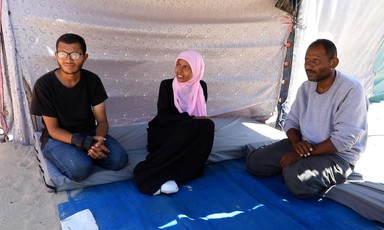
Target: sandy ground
(24,200)
(26,204)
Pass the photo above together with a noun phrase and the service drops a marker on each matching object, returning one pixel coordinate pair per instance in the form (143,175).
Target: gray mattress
(234,137)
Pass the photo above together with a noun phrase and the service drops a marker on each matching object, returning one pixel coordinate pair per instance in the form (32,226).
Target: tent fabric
(232,137)
(226,197)
(378,87)
(14,100)
(3,124)
(356,29)
(132,46)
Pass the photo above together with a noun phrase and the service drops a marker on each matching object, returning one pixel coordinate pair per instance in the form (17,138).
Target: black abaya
(178,144)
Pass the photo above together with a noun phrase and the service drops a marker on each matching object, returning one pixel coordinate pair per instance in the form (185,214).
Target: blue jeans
(75,164)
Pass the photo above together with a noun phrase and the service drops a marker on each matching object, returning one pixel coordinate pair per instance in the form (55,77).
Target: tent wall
(133,46)
(356,29)
(15,109)
(378,87)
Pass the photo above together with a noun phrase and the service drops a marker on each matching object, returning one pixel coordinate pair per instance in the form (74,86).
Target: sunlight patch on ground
(371,162)
(370,165)
(209,217)
(260,128)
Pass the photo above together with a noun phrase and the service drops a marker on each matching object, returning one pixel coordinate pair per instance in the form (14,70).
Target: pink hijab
(189,96)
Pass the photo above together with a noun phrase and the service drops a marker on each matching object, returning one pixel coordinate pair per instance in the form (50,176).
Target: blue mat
(226,197)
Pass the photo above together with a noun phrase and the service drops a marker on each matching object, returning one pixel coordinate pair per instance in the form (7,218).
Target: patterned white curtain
(14,106)
(132,46)
(356,28)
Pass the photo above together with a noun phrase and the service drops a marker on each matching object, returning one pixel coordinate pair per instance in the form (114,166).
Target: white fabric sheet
(356,28)
(82,220)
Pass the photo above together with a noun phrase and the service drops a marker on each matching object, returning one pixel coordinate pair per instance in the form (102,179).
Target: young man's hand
(98,150)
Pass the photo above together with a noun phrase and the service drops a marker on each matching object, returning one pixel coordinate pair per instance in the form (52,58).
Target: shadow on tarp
(226,197)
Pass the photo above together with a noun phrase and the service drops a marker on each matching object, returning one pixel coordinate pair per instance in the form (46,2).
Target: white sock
(169,187)
(157,192)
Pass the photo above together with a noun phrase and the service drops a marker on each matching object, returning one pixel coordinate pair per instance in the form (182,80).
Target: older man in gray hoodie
(326,128)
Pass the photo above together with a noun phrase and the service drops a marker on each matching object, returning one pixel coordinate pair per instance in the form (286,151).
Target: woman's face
(183,71)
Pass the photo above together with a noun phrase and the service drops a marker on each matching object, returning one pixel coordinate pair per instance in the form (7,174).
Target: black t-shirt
(71,106)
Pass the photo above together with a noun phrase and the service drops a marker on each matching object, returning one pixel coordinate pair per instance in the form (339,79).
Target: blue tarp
(226,197)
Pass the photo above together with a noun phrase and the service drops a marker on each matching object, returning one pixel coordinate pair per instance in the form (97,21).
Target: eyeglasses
(74,55)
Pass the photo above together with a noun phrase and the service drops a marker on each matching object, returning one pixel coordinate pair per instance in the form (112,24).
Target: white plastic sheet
(82,220)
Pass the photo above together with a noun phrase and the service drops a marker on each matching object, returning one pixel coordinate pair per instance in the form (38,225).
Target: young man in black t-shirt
(71,101)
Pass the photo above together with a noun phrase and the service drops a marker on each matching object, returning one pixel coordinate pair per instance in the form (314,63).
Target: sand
(24,200)
(26,203)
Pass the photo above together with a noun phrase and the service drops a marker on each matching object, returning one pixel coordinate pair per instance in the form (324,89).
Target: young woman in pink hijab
(180,137)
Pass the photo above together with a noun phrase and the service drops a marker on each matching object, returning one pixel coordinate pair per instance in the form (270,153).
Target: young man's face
(70,57)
